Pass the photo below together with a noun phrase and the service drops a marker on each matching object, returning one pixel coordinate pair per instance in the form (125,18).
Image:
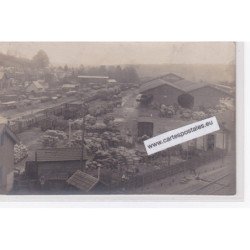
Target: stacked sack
(20,152)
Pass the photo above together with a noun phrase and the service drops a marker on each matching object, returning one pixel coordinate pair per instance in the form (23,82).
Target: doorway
(210,142)
(145,128)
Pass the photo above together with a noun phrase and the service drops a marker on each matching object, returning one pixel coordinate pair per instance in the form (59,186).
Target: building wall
(161,126)
(6,164)
(200,143)
(164,94)
(207,96)
(54,168)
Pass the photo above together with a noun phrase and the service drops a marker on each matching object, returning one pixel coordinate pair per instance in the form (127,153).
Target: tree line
(124,74)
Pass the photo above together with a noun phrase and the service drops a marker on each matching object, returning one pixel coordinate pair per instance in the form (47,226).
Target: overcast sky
(126,53)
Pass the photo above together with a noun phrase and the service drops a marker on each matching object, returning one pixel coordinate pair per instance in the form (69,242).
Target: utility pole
(70,131)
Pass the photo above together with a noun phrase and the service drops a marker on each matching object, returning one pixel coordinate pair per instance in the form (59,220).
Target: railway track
(212,187)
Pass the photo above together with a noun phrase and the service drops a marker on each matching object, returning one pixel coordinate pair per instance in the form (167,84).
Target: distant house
(36,87)
(171,89)
(92,79)
(44,84)
(111,81)
(69,87)
(7,141)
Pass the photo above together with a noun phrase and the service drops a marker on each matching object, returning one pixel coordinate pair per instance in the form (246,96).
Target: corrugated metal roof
(82,181)
(60,154)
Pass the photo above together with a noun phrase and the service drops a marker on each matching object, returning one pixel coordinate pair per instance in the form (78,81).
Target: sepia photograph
(85,118)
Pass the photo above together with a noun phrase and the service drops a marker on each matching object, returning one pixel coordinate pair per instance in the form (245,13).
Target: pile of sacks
(186,114)
(51,137)
(56,133)
(20,152)
(167,111)
(198,115)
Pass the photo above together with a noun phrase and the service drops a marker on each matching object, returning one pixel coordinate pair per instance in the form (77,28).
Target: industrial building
(7,141)
(56,163)
(171,89)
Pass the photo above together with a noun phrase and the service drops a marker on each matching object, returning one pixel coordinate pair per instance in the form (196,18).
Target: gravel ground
(214,179)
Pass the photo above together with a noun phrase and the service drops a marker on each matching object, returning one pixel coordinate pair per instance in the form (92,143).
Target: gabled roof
(38,85)
(187,86)
(43,83)
(83,181)
(59,154)
(5,129)
(171,77)
(177,82)
(225,89)
(153,84)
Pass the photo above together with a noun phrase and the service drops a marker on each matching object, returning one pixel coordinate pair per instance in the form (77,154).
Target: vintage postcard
(120,118)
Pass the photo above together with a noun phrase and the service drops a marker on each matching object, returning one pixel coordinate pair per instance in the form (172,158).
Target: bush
(90,120)
(108,120)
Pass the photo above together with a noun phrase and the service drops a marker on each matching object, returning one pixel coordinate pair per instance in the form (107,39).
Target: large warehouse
(171,89)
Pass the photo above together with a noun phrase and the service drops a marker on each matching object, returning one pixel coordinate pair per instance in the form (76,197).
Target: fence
(141,180)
